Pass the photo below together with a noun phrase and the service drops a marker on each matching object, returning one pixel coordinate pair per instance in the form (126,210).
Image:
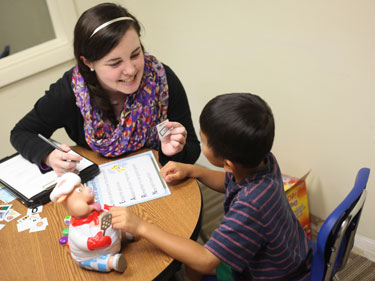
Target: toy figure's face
(79,202)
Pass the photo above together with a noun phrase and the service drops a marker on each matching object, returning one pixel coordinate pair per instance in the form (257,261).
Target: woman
(111,101)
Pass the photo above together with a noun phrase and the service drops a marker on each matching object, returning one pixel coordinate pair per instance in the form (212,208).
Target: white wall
(313,62)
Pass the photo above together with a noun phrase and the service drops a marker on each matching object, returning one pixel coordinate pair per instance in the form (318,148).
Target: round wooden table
(39,256)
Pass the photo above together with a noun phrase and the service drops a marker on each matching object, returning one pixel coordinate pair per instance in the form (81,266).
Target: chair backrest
(5,52)
(336,236)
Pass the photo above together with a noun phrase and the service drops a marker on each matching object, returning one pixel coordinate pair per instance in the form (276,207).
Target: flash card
(34,210)
(12,214)
(26,222)
(23,223)
(4,209)
(23,219)
(162,130)
(39,225)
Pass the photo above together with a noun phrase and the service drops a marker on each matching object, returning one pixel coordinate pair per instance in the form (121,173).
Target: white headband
(110,22)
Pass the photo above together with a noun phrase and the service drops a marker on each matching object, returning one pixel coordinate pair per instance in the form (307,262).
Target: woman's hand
(174,171)
(175,141)
(62,162)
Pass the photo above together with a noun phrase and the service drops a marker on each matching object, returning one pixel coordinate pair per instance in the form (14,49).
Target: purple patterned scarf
(142,111)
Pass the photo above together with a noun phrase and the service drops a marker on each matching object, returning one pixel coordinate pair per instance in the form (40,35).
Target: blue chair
(336,236)
(5,52)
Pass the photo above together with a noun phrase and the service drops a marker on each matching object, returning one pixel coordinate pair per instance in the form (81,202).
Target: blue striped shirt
(259,236)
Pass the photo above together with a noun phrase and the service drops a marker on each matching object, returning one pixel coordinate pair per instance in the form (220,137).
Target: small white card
(39,225)
(34,210)
(23,223)
(32,222)
(162,130)
(11,215)
(4,209)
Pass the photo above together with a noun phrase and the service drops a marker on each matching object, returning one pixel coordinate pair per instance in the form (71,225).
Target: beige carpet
(358,268)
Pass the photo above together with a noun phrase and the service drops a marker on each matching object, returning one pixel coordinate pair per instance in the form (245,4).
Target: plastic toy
(94,244)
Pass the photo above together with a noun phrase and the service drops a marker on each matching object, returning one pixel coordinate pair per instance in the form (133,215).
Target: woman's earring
(92,69)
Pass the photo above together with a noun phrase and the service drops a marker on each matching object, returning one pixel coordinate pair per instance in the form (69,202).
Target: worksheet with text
(129,181)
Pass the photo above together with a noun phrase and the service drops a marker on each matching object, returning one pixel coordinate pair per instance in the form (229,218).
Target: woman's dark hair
(99,45)
(238,127)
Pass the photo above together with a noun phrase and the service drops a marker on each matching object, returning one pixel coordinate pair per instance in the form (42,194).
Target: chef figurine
(94,244)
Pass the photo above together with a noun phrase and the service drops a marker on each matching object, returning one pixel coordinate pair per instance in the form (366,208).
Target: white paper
(26,177)
(129,181)
(83,164)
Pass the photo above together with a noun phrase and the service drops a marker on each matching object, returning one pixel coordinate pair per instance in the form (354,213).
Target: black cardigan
(58,109)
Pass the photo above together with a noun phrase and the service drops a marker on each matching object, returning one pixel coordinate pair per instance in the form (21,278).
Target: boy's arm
(185,250)
(173,171)
(213,179)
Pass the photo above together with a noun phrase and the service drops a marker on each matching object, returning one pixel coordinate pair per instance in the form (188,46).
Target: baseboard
(364,246)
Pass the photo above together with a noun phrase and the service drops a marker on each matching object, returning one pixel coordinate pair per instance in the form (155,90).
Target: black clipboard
(14,167)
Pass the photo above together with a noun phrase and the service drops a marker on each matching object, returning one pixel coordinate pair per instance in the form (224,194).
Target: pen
(50,143)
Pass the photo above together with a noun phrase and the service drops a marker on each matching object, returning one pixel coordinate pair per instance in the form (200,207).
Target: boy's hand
(125,220)
(174,171)
(175,141)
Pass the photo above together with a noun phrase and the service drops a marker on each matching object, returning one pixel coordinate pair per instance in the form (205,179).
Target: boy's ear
(229,166)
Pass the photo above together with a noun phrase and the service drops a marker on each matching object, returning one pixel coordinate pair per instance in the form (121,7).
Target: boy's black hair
(238,127)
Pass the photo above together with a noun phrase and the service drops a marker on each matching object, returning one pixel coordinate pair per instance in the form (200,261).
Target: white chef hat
(64,185)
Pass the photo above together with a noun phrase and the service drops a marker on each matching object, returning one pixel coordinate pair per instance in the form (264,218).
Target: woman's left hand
(175,141)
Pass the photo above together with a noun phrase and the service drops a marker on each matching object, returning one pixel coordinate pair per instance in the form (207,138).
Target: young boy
(259,236)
